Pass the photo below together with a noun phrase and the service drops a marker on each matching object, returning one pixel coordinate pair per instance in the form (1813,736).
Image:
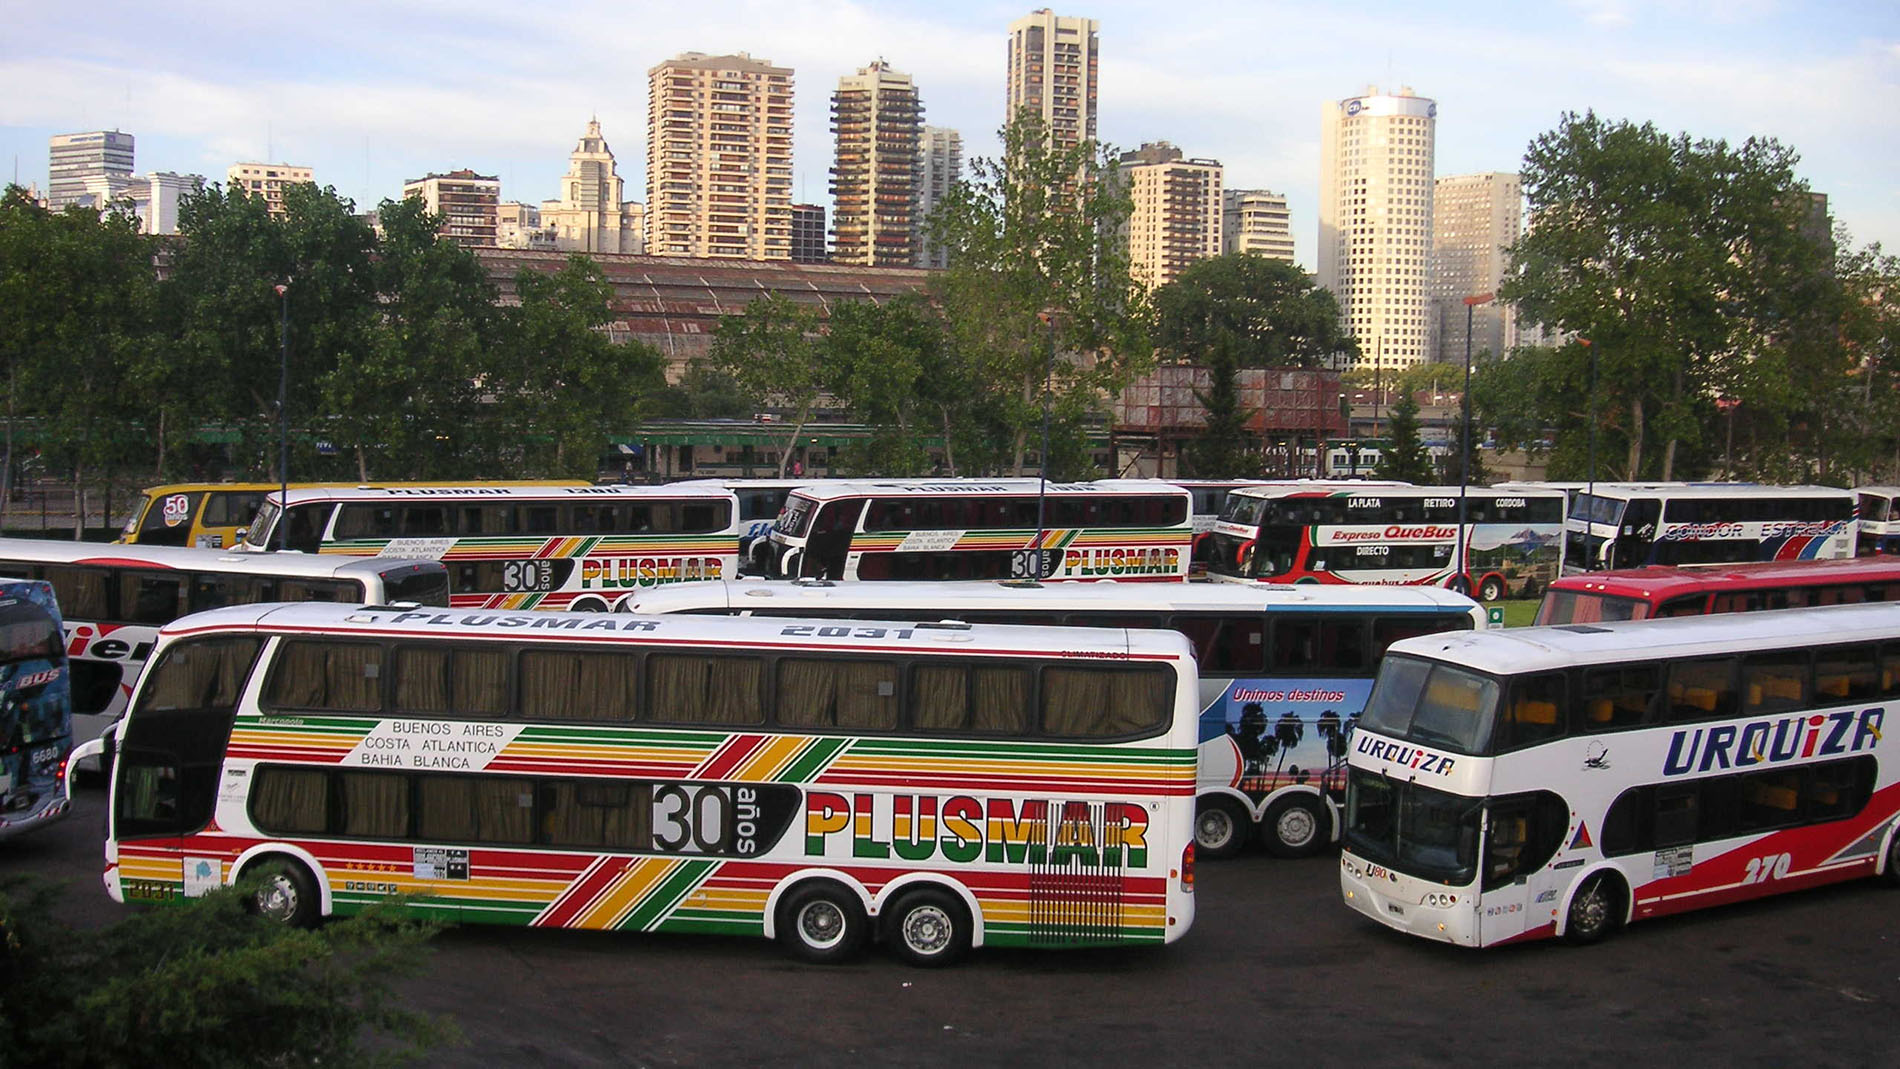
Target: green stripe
(813,760)
(709,922)
(662,899)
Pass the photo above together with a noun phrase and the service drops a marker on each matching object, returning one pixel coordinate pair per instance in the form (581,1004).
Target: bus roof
(1516,651)
(931,600)
(192,488)
(180,558)
(682,632)
(1663,581)
(1718,490)
(492,492)
(1889,491)
(1347,488)
(841,488)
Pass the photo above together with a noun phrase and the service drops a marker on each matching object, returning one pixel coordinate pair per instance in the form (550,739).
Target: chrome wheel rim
(928,929)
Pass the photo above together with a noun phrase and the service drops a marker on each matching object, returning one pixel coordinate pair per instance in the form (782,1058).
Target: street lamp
(1042,484)
(283,412)
(1464,461)
(1590,501)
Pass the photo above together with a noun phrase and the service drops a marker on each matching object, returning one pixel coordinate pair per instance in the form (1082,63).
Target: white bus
(1628,526)
(1563,781)
(114,598)
(985,529)
(1284,671)
(1879,521)
(1210,497)
(948,785)
(760,501)
(544,547)
(1392,535)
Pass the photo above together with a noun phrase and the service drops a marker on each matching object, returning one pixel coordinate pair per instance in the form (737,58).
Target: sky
(371,93)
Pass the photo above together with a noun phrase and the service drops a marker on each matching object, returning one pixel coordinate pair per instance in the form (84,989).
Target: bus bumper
(1417,907)
(40,799)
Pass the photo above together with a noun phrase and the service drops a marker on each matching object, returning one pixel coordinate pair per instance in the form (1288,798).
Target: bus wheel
(1893,860)
(1593,912)
(927,927)
(1491,589)
(588,605)
(287,893)
(1295,826)
(821,922)
(1220,828)
(1458,584)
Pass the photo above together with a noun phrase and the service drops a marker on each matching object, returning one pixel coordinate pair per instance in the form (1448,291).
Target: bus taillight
(1187,867)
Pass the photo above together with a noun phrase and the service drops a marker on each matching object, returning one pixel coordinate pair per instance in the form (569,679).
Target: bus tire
(927,927)
(1459,584)
(1893,859)
(286,892)
(1491,589)
(1595,910)
(822,922)
(587,605)
(1295,826)
(1221,826)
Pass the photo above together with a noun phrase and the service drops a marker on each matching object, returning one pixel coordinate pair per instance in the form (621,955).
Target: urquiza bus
(550,547)
(1562,781)
(1658,590)
(1284,671)
(1630,526)
(1511,543)
(113,599)
(950,785)
(1129,529)
(36,709)
(215,515)
(1879,521)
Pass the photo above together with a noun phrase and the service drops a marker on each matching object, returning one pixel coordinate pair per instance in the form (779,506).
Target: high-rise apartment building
(1375,220)
(105,156)
(1177,215)
(877,177)
(519,226)
(719,157)
(808,234)
(942,150)
(1475,218)
(591,215)
(466,201)
(1052,72)
(1257,221)
(267,180)
(155,198)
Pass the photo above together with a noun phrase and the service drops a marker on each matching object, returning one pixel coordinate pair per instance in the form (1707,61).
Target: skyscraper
(1052,72)
(592,215)
(466,201)
(1177,215)
(1257,221)
(1475,217)
(942,151)
(878,174)
(808,234)
(719,157)
(102,155)
(1375,220)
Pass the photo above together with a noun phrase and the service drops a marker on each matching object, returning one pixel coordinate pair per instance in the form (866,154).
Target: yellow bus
(214,515)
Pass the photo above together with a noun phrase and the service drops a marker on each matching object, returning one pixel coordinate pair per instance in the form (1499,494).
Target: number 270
(1763,869)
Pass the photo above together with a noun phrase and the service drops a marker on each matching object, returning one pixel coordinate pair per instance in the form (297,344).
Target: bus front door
(1636,535)
(830,542)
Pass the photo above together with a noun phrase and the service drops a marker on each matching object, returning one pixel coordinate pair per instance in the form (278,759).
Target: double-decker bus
(760,501)
(1628,526)
(1284,671)
(215,515)
(951,785)
(113,599)
(551,547)
(36,708)
(1210,497)
(1659,590)
(1562,781)
(1130,529)
(1511,543)
(1879,521)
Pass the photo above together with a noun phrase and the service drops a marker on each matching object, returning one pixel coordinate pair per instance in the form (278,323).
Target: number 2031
(809,630)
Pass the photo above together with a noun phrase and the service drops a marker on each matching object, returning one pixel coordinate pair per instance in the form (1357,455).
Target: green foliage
(774,354)
(889,365)
(1405,457)
(207,983)
(1037,263)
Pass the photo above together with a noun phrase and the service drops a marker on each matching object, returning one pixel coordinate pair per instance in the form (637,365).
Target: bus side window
(1390,629)
(1774,682)
(1889,670)
(365,521)
(1525,832)
(1701,690)
(81,591)
(1694,605)
(1846,674)
(151,597)
(1613,699)
(1536,711)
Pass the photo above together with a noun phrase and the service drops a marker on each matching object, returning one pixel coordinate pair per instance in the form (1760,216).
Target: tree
(1682,261)
(774,354)
(885,362)
(1405,458)
(1242,311)
(1038,268)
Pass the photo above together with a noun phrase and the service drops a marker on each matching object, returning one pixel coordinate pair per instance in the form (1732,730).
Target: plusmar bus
(1564,781)
(815,782)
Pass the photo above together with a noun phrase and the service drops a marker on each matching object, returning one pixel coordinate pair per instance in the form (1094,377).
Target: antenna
(270,154)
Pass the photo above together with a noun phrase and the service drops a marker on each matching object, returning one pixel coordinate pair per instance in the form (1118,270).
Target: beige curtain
(1098,703)
(606,687)
(376,805)
(807,694)
(81,592)
(1002,701)
(297,682)
(422,679)
(549,685)
(602,816)
(446,809)
(867,695)
(705,690)
(289,801)
(201,675)
(939,697)
(355,677)
(479,679)
(504,810)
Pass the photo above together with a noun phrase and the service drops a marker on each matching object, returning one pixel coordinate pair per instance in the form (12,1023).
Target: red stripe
(575,900)
(728,757)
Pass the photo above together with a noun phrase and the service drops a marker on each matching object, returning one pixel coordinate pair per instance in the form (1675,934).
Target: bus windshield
(1415,829)
(258,536)
(1584,607)
(1433,704)
(27,633)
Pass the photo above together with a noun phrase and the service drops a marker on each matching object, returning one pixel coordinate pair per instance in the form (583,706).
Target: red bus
(1661,590)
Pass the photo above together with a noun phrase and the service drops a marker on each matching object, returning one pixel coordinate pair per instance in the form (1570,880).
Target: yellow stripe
(769,760)
(624,895)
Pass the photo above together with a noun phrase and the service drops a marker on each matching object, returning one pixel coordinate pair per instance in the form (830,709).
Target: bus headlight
(1441,900)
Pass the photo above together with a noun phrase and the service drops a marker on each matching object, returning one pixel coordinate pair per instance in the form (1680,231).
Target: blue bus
(36,708)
